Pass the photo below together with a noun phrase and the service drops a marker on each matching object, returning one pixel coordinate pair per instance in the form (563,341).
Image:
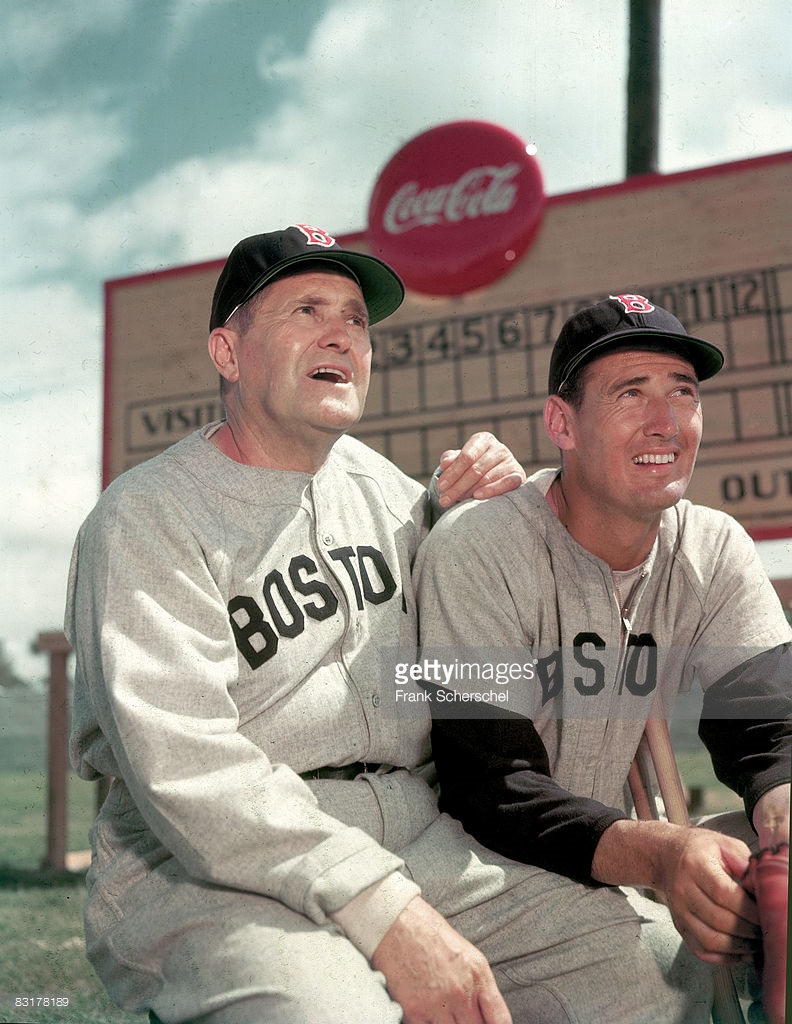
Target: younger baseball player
(625,593)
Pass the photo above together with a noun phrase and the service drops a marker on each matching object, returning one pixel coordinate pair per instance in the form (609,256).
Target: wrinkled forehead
(285,287)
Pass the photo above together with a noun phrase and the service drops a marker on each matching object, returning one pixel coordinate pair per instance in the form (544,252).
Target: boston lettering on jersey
(638,675)
(291,596)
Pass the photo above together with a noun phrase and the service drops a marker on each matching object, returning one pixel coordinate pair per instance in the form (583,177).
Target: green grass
(44,955)
(23,817)
(41,931)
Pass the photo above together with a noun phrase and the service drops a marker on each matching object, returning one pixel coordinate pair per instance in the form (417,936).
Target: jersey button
(376,700)
(327,540)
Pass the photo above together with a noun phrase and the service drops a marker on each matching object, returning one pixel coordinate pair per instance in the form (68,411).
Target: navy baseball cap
(626,321)
(256,260)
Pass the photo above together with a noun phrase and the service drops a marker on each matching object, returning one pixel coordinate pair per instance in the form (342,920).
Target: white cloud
(740,133)
(347,107)
(776,556)
(272,65)
(56,150)
(199,208)
(52,338)
(726,83)
(37,32)
(49,161)
(51,463)
(369,81)
(51,480)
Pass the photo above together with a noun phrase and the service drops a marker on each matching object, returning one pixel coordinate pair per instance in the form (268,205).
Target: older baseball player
(271,849)
(624,592)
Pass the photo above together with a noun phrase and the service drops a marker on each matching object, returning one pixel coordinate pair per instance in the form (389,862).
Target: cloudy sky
(142,134)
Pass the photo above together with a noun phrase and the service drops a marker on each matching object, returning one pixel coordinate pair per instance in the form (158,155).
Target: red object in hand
(767,878)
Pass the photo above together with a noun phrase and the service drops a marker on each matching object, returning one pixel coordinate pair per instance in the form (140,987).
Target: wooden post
(58,648)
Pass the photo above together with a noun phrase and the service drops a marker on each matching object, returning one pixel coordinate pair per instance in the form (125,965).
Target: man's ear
(559,418)
(223,352)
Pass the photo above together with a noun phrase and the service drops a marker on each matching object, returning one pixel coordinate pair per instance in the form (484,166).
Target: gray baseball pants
(561,952)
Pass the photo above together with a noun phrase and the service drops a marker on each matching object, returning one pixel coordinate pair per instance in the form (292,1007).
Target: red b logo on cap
(316,236)
(633,303)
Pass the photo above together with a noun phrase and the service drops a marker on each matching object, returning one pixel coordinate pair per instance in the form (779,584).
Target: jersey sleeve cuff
(369,915)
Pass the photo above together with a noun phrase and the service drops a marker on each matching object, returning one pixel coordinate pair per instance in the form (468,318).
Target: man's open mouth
(331,374)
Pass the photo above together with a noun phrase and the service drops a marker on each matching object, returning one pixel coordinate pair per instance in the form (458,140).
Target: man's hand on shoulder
(435,974)
(482,468)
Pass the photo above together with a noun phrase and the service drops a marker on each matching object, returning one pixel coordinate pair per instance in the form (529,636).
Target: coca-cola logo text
(479,192)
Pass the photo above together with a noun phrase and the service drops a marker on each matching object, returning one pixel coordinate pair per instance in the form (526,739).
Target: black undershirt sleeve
(746,724)
(494,777)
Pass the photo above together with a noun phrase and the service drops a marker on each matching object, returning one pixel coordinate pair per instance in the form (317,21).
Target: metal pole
(643,87)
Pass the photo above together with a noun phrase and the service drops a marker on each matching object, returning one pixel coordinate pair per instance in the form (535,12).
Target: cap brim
(704,357)
(383,290)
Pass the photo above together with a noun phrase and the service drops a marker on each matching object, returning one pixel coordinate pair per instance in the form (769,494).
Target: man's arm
(494,778)
(492,775)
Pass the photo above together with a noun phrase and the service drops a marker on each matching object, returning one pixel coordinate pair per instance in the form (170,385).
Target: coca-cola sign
(456,207)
